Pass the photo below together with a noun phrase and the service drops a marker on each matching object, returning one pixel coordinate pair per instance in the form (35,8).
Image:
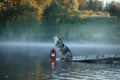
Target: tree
(43,3)
(95,5)
(113,8)
(73,5)
(90,4)
(82,4)
(52,13)
(13,9)
(63,2)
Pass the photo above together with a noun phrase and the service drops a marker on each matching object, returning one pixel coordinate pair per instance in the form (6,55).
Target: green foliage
(82,4)
(52,13)
(10,13)
(73,5)
(113,8)
(95,5)
(49,11)
(55,13)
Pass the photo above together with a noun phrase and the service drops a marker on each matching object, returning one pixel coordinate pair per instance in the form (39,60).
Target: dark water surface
(30,61)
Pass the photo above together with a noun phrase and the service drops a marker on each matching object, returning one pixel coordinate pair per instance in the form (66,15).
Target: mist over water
(77,49)
(91,30)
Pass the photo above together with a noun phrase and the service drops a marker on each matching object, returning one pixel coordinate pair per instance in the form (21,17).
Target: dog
(64,50)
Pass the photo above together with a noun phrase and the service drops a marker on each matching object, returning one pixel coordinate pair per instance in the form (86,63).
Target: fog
(90,37)
(43,49)
(92,30)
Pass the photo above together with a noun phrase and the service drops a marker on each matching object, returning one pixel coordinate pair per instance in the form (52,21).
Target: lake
(30,61)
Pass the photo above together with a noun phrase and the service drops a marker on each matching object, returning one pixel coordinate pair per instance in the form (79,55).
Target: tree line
(113,8)
(54,11)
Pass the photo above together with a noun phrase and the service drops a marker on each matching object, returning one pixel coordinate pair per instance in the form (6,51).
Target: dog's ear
(60,37)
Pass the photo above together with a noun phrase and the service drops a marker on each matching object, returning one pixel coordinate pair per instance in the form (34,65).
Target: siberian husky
(64,50)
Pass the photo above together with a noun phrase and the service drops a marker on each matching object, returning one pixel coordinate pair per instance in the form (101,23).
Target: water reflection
(52,65)
(82,71)
(36,74)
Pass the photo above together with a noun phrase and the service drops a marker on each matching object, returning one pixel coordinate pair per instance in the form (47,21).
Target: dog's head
(57,39)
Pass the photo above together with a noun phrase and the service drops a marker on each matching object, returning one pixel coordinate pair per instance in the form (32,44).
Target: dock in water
(106,59)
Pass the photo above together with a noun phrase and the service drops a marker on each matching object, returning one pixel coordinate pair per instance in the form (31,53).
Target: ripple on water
(88,72)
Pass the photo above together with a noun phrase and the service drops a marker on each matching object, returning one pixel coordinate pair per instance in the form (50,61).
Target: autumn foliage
(54,11)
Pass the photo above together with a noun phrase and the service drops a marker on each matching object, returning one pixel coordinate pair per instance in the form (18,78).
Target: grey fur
(66,53)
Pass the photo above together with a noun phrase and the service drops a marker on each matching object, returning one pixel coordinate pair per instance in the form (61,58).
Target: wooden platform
(107,59)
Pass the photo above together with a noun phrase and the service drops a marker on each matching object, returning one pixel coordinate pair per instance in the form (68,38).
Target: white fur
(56,40)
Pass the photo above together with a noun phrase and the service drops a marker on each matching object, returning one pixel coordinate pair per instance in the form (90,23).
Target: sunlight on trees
(46,11)
(52,13)
(73,5)
(13,8)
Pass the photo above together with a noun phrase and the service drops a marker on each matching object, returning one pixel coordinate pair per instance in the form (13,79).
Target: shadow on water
(30,61)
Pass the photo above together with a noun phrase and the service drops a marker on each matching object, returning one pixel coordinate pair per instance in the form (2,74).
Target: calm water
(30,61)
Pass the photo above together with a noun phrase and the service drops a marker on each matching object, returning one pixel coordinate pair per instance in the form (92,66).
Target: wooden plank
(107,59)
